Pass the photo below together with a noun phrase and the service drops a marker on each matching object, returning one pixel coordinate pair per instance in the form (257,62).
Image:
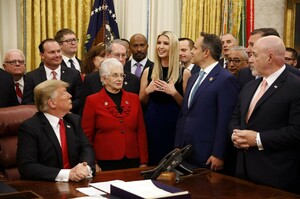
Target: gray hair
(116,41)
(243,51)
(107,65)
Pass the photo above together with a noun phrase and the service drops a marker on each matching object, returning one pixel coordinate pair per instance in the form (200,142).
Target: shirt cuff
(258,142)
(63,175)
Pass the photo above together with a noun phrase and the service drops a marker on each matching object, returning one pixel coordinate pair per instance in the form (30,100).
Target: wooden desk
(206,184)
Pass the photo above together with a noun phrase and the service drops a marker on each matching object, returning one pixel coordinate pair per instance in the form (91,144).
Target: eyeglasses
(118,55)
(288,59)
(69,41)
(116,75)
(235,61)
(15,62)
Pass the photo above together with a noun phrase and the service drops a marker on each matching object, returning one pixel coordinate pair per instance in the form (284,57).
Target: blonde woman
(162,89)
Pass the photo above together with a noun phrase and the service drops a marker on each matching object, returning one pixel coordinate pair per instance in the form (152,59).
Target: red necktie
(64,145)
(54,74)
(18,92)
(263,89)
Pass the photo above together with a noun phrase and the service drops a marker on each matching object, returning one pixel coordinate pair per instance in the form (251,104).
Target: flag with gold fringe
(103,25)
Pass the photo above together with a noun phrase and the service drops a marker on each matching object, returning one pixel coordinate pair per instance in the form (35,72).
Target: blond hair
(174,66)
(45,91)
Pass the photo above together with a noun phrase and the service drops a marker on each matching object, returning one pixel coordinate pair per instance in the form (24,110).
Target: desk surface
(206,184)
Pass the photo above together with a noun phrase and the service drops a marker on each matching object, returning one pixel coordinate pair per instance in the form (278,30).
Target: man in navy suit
(46,151)
(139,49)
(204,117)
(268,137)
(50,53)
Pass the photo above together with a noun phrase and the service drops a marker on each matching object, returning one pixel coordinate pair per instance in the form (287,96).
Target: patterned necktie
(54,74)
(64,145)
(72,64)
(255,99)
(18,92)
(196,86)
(138,70)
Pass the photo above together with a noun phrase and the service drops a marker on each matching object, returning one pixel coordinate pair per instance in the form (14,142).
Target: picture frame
(292,24)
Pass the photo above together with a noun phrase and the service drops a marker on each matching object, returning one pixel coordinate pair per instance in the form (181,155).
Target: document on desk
(146,189)
(90,191)
(105,186)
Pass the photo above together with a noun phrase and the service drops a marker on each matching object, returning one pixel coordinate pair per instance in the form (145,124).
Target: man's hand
(215,163)
(244,138)
(79,172)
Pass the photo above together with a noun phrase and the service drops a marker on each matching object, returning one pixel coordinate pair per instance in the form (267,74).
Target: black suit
(63,63)
(92,84)
(276,117)
(127,66)
(72,76)
(39,153)
(245,74)
(195,69)
(7,90)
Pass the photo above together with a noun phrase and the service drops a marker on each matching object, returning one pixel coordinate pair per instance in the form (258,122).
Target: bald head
(138,47)
(268,55)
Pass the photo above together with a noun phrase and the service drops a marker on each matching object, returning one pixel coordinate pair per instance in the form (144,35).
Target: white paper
(90,191)
(146,189)
(105,186)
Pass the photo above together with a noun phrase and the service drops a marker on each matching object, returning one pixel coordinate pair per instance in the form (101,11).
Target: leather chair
(10,119)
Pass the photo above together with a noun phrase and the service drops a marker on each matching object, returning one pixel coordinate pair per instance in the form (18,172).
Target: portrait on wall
(292,24)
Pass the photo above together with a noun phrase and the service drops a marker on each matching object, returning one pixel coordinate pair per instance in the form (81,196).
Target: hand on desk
(79,172)
(215,163)
(243,139)
(143,165)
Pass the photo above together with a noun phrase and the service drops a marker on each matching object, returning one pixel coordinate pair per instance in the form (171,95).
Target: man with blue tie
(207,106)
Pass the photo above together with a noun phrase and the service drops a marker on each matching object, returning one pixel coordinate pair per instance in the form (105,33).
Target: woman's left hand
(165,87)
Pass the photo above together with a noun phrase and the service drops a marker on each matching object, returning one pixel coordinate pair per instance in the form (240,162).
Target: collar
(143,62)
(53,120)
(271,78)
(210,67)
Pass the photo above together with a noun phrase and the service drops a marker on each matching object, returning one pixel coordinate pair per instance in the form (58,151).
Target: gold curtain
(201,15)
(43,18)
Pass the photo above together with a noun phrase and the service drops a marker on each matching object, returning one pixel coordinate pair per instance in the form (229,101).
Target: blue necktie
(196,86)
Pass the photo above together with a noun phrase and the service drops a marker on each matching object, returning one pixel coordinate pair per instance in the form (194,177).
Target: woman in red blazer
(113,121)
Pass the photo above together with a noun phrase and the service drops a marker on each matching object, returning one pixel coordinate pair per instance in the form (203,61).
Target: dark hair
(60,34)
(265,32)
(41,46)
(293,51)
(213,43)
(88,65)
(191,42)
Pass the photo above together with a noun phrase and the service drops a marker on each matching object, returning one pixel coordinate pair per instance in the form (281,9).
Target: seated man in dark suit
(52,145)
(68,43)
(248,74)
(139,50)
(92,84)
(7,91)
(14,63)
(51,68)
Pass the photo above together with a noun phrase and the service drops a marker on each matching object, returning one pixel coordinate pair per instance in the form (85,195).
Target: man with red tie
(52,145)
(14,63)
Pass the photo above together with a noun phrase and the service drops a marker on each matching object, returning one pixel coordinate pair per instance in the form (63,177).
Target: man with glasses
(237,59)
(291,56)
(68,43)
(92,84)
(14,63)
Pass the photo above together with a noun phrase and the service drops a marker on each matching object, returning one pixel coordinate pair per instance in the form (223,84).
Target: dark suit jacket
(7,90)
(64,64)
(127,66)
(204,124)
(245,75)
(92,84)
(195,69)
(277,118)
(39,153)
(33,78)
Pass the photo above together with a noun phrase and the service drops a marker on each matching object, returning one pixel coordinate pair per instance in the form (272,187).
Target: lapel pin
(105,103)
(275,86)
(211,79)
(126,102)
(68,126)
(125,83)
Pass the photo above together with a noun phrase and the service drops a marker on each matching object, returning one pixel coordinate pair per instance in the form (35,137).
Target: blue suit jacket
(204,124)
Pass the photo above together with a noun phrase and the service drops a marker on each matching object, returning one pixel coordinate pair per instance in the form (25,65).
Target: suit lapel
(63,74)
(42,72)
(247,97)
